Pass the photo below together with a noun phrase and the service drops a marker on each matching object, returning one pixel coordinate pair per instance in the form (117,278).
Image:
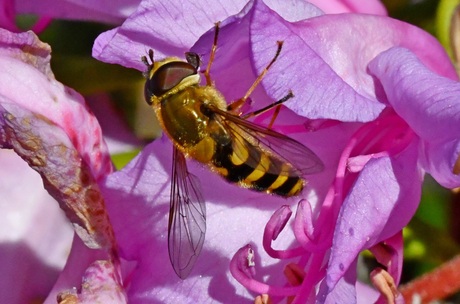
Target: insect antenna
(149,65)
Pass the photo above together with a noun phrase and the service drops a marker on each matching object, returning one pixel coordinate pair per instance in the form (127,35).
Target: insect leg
(275,114)
(276,105)
(207,74)
(237,104)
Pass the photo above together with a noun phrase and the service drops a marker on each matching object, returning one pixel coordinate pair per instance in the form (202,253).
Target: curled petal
(428,103)
(51,128)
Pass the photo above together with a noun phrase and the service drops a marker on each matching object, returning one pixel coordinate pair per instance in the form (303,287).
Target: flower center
(386,136)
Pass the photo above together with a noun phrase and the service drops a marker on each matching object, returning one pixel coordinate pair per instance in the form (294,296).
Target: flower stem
(435,285)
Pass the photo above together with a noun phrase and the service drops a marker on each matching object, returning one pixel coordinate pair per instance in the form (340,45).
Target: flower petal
(326,67)
(428,103)
(381,202)
(35,236)
(374,7)
(343,292)
(50,127)
(440,160)
(102,11)
(170,29)
(99,286)
(80,257)
(138,199)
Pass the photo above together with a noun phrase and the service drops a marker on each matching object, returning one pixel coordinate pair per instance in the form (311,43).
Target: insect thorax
(185,123)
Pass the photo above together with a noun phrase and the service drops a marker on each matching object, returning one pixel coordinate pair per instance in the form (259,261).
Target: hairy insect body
(188,127)
(188,119)
(202,126)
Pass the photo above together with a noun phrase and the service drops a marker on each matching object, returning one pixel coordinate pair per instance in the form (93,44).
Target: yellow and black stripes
(240,162)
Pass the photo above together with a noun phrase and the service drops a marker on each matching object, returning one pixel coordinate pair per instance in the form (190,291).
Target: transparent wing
(187,218)
(286,149)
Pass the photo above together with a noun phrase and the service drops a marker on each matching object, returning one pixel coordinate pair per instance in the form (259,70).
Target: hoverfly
(202,126)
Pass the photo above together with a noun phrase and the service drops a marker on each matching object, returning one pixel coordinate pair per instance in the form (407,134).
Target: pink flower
(50,127)
(405,110)
(357,81)
(365,86)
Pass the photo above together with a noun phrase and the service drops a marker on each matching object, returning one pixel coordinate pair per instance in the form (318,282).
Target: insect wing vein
(187,218)
(276,144)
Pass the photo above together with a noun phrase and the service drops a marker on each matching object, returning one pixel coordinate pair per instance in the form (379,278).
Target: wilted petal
(50,127)
(99,285)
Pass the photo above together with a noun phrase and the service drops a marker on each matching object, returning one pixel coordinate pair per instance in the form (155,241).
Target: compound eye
(167,77)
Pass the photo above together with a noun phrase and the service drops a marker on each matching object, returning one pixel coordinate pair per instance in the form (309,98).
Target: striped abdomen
(247,165)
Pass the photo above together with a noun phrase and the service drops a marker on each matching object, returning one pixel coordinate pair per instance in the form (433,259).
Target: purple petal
(365,293)
(293,10)
(102,10)
(428,103)
(374,7)
(439,159)
(381,202)
(343,292)
(138,201)
(324,60)
(7,16)
(425,100)
(170,29)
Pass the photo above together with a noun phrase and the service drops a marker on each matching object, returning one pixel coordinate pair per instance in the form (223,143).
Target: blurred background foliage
(432,237)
